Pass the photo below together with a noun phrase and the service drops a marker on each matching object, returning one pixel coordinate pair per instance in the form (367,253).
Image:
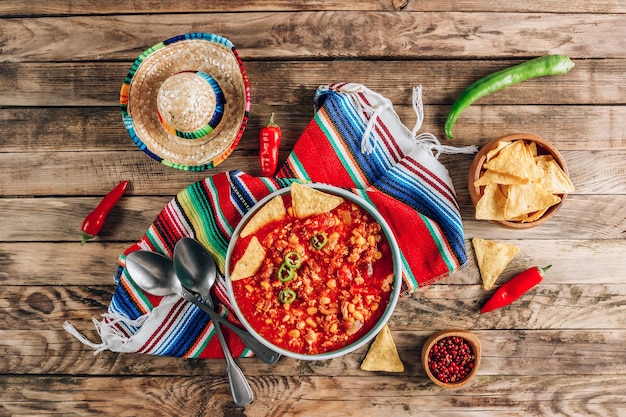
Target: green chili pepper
(285,273)
(319,240)
(538,67)
(293,259)
(287,296)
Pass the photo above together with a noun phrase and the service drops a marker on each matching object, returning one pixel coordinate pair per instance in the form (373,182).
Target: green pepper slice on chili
(538,67)
(319,240)
(293,259)
(287,296)
(285,273)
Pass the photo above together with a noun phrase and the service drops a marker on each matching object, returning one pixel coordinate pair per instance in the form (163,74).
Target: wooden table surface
(558,351)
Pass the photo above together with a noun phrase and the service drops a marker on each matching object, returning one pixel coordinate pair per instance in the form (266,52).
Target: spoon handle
(239,386)
(264,353)
(261,351)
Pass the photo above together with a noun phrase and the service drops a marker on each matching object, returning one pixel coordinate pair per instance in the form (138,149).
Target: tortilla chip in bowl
(319,282)
(518,181)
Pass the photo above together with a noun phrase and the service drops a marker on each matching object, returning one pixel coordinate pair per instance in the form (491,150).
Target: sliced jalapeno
(319,240)
(293,259)
(287,296)
(285,273)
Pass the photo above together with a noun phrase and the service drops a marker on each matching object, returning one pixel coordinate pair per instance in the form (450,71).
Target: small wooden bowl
(476,170)
(469,337)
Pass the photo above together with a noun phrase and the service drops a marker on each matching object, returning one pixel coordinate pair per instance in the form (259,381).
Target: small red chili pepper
(269,140)
(514,288)
(94,220)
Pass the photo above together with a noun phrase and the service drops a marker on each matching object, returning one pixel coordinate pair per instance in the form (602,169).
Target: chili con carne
(341,291)
(515,288)
(538,67)
(269,139)
(95,220)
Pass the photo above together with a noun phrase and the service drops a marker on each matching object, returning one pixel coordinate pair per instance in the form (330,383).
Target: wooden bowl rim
(469,337)
(479,159)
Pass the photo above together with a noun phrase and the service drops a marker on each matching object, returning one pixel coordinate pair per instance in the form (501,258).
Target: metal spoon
(154,273)
(194,268)
(197,272)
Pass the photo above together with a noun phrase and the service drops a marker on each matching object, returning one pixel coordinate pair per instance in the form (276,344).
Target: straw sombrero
(185,101)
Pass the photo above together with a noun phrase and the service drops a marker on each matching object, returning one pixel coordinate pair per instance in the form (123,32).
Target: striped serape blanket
(355,141)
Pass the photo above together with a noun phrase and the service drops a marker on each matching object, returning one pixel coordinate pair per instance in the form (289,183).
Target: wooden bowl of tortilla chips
(286,271)
(518,181)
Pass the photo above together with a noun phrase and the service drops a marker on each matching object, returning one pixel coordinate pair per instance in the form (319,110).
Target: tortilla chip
(528,183)
(492,257)
(250,262)
(274,210)
(531,217)
(495,151)
(552,177)
(527,198)
(307,201)
(492,204)
(383,355)
(546,157)
(495,177)
(515,160)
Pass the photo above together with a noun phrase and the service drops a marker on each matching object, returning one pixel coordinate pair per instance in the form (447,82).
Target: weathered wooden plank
(595,217)
(557,351)
(546,306)
(55,84)
(82,7)
(333,34)
(43,220)
(95,173)
(579,262)
(605,175)
(43,263)
(100,128)
(60,220)
(549,305)
(313,396)
(54,304)
(505,352)
(82,173)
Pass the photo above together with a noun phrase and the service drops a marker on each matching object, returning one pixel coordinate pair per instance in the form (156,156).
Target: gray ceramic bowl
(397,270)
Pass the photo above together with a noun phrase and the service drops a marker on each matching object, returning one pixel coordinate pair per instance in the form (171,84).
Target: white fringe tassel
(367,142)
(425,139)
(429,140)
(112,338)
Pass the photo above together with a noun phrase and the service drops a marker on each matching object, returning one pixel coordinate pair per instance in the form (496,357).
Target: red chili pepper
(269,139)
(94,220)
(514,288)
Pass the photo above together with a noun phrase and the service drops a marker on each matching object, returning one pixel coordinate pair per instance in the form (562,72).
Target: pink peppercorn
(451,359)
